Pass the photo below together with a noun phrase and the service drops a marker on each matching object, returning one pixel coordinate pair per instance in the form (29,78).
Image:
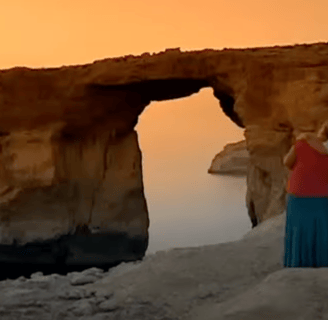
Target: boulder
(232,160)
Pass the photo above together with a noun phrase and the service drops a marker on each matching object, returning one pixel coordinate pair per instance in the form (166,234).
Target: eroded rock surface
(70,202)
(70,164)
(232,160)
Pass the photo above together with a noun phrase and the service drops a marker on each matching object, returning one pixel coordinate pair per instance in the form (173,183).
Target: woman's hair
(323,131)
(313,120)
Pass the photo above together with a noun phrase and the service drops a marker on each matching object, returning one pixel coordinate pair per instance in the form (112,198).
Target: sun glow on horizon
(39,33)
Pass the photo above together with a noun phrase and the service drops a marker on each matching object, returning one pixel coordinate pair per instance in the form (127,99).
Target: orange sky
(49,33)
(40,33)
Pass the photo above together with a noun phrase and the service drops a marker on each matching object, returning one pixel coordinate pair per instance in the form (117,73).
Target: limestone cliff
(232,160)
(70,162)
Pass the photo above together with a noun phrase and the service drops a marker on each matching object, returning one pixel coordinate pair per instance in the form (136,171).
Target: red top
(309,177)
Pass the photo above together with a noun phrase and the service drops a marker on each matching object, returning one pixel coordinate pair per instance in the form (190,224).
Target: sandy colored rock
(232,160)
(70,163)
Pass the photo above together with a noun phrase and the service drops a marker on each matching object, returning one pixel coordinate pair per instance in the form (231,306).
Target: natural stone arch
(70,169)
(73,194)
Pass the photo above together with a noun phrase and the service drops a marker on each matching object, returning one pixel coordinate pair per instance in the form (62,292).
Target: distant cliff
(232,160)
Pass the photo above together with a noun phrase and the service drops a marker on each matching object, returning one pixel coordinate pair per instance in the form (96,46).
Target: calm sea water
(187,206)
(198,210)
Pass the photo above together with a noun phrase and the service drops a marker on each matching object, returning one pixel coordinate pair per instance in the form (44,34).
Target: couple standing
(306,233)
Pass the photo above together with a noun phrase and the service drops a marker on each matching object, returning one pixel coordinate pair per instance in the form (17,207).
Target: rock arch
(71,191)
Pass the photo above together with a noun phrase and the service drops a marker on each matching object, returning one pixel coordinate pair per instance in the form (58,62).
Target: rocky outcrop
(237,280)
(71,174)
(70,202)
(232,160)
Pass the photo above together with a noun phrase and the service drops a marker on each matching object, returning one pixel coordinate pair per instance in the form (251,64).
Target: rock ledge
(233,160)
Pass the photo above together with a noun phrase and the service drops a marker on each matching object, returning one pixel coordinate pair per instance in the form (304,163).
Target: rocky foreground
(238,280)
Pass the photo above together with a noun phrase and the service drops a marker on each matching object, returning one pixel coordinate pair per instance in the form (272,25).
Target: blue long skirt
(306,232)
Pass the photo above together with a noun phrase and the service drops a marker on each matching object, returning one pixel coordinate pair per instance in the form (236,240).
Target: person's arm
(290,158)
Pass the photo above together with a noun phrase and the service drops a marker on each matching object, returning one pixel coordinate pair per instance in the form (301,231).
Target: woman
(306,233)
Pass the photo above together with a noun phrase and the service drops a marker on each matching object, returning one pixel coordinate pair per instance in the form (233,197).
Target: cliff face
(232,160)
(70,161)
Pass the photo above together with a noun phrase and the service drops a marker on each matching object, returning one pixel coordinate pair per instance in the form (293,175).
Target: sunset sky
(41,33)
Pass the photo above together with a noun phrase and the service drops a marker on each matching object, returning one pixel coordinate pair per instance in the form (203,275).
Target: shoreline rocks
(232,160)
(242,279)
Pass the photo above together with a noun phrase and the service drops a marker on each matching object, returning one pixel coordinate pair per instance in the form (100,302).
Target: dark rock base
(70,253)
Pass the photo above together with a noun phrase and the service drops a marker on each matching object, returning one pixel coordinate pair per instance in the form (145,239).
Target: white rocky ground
(241,280)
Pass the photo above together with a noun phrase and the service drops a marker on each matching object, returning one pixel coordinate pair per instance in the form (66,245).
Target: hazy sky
(41,33)
(47,33)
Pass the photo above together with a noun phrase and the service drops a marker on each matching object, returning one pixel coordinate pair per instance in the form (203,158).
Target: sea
(187,206)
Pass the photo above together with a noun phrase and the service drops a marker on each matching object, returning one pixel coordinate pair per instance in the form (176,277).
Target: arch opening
(178,140)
